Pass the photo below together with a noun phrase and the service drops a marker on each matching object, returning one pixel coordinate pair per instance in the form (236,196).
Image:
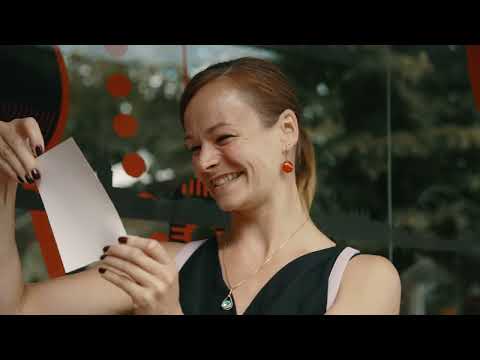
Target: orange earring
(287,166)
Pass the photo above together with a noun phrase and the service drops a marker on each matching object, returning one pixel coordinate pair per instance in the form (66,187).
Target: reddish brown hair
(271,94)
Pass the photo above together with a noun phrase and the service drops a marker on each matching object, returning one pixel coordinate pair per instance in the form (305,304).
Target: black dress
(299,288)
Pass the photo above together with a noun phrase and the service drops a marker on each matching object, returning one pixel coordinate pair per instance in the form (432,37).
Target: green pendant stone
(227,304)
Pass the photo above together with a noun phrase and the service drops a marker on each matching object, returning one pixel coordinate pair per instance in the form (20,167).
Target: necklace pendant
(227,303)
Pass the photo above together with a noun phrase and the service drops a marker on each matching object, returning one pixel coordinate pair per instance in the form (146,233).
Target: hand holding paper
(81,214)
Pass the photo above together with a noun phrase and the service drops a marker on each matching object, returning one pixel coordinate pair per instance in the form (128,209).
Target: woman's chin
(227,206)
(232,197)
(228,203)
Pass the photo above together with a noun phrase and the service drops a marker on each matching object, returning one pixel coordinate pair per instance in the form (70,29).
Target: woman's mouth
(224,180)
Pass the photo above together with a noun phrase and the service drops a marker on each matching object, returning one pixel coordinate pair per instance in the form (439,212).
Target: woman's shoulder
(370,284)
(371,266)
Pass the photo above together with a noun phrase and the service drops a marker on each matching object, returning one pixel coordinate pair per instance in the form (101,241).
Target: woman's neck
(258,232)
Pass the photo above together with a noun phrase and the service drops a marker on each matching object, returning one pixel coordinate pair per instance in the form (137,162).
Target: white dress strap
(337,272)
(184,254)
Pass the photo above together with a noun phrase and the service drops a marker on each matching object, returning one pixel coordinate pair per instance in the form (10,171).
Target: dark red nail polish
(29,179)
(105,249)
(103,257)
(122,240)
(101,270)
(35,174)
(20,179)
(39,150)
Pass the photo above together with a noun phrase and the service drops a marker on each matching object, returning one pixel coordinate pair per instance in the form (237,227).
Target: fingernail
(20,179)
(29,179)
(105,249)
(103,257)
(35,174)
(101,270)
(39,150)
(122,240)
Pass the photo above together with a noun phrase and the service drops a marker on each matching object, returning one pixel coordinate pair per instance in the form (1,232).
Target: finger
(23,154)
(134,271)
(150,246)
(116,271)
(30,128)
(7,169)
(138,257)
(9,156)
(131,288)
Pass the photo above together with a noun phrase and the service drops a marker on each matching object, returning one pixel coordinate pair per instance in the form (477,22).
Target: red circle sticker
(125,126)
(119,85)
(134,165)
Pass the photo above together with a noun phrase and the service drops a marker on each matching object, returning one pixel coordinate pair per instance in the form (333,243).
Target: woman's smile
(225,182)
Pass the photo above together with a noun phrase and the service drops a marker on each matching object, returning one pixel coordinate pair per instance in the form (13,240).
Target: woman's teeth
(225,179)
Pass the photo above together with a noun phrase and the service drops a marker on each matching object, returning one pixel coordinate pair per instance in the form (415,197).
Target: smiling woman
(243,126)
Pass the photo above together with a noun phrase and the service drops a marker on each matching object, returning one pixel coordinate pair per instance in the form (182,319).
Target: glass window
(395,131)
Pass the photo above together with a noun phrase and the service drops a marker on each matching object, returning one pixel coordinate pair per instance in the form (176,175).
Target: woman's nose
(208,159)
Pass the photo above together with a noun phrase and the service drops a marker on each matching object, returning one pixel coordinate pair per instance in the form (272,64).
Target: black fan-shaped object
(31,85)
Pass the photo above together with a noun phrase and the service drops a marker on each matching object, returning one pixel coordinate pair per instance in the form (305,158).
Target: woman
(243,127)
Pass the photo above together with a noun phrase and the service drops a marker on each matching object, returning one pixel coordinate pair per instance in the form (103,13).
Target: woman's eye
(224,137)
(194,149)
(220,140)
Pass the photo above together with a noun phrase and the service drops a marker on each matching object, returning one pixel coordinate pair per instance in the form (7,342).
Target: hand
(20,142)
(144,270)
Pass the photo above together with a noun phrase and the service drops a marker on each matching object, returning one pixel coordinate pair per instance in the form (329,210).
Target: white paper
(81,214)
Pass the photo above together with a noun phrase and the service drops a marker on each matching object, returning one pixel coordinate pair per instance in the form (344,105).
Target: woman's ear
(288,125)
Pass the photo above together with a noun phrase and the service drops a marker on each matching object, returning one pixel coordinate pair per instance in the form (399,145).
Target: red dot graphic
(125,126)
(119,85)
(134,165)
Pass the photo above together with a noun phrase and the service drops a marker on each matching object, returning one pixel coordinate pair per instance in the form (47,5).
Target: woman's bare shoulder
(370,285)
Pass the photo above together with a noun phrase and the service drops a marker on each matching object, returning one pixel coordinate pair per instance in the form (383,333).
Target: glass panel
(435,176)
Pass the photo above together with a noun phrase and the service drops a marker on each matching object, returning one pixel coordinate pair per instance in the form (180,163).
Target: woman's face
(233,154)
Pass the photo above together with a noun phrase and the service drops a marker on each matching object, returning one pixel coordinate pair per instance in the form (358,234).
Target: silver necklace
(227,303)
